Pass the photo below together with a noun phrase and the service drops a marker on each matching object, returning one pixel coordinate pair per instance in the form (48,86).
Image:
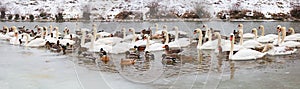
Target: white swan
(244,53)
(244,35)
(281,41)
(199,31)
(52,39)
(294,36)
(5,36)
(283,50)
(15,40)
(265,38)
(96,48)
(153,47)
(252,43)
(38,42)
(182,42)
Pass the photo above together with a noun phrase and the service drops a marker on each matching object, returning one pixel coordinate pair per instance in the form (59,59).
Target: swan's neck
(27,39)
(94,33)
(92,42)
(263,32)
(231,48)
(293,32)
(279,37)
(42,34)
(241,33)
(148,43)
(255,35)
(167,38)
(51,30)
(209,35)
(156,28)
(134,38)
(124,33)
(7,30)
(219,39)
(133,32)
(83,38)
(283,35)
(176,34)
(200,39)
(56,33)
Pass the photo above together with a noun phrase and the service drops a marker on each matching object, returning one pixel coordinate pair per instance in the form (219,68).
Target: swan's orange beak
(164,47)
(231,37)
(195,31)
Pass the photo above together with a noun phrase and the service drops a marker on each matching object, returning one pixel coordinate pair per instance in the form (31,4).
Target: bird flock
(141,45)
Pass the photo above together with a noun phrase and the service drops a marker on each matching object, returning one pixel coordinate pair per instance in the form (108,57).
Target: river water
(37,68)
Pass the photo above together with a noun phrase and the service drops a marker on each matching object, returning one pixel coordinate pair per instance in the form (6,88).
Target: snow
(110,8)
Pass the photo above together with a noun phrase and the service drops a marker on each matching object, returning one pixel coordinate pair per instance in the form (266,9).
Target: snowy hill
(110,8)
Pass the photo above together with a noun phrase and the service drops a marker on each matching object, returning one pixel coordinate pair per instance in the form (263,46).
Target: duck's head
(166,46)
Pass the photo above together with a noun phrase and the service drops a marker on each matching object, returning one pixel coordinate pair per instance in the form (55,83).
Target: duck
(244,53)
(56,47)
(168,50)
(270,49)
(167,60)
(148,56)
(127,62)
(104,57)
(265,38)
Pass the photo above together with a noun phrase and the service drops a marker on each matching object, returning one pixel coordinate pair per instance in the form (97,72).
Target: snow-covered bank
(107,10)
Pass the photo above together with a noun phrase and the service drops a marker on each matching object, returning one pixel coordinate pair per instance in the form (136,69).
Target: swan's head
(291,30)
(281,29)
(5,27)
(198,30)
(261,27)
(14,28)
(56,28)
(165,27)
(131,30)
(240,26)
(278,27)
(156,25)
(231,36)
(123,29)
(254,30)
(175,28)
(204,25)
(50,27)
